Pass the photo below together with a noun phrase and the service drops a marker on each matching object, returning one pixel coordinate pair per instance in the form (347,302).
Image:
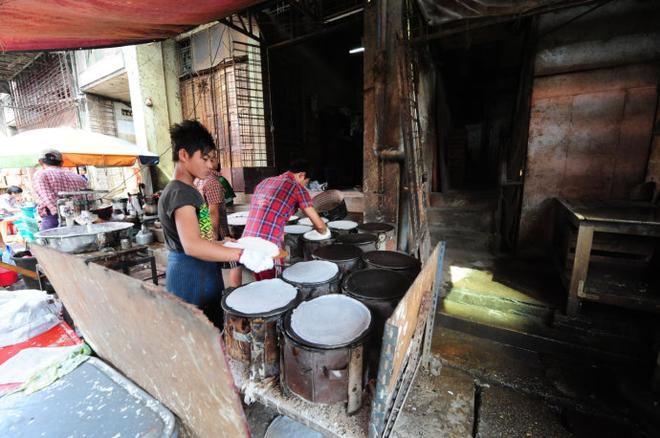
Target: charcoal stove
(322,357)
(252,313)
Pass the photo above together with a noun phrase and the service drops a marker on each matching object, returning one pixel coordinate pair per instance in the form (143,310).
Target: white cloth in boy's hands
(256,261)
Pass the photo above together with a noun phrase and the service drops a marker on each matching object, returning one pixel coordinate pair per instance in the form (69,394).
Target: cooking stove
(138,262)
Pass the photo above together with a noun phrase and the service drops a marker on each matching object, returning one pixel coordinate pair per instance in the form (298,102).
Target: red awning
(69,24)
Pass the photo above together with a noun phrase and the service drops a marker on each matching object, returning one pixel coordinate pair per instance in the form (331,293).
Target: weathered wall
(153,83)
(593,107)
(653,170)
(100,115)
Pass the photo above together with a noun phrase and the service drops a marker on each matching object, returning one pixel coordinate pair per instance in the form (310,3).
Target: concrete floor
(486,389)
(491,389)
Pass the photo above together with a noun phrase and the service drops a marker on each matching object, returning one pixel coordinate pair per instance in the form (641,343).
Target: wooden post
(580,267)
(382,126)
(355,372)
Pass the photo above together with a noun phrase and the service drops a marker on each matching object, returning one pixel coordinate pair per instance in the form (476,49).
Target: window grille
(43,94)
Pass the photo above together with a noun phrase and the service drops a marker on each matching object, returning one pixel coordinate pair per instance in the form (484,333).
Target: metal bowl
(81,238)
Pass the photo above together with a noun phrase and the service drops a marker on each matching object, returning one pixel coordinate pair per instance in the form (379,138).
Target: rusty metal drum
(310,244)
(394,261)
(313,278)
(384,232)
(323,362)
(252,313)
(293,243)
(341,227)
(348,258)
(365,241)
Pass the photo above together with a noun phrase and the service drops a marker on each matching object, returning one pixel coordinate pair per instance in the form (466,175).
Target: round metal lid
(315,271)
(297,229)
(330,320)
(344,225)
(391,260)
(338,253)
(376,284)
(376,227)
(260,298)
(357,239)
(307,221)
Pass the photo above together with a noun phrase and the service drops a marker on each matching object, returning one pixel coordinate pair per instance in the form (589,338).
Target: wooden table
(616,218)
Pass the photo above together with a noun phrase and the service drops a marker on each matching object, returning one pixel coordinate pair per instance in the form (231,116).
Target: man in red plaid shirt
(48,182)
(274,200)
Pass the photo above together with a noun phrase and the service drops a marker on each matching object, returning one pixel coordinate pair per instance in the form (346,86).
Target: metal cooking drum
(342,227)
(382,230)
(309,246)
(252,313)
(293,243)
(322,362)
(236,222)
(394,261)
(380,290)
(365,241)
(313,278)
(347,257)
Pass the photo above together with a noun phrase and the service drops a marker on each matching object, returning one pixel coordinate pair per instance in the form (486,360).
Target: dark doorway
(316,88)
(480,75)
(479,86)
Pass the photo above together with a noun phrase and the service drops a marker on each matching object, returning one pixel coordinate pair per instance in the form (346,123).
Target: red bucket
(7,277)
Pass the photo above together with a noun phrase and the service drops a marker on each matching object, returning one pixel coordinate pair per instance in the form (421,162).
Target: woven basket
(330,204)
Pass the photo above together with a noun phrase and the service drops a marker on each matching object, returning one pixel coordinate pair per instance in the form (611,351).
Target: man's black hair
(299,165)
(191,136)
(14,190)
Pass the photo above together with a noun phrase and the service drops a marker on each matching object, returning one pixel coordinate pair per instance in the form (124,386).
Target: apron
(197,282)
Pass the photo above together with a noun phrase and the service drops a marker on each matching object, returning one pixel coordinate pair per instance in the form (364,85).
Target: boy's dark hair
(14,190)
(299,165)
(191,136)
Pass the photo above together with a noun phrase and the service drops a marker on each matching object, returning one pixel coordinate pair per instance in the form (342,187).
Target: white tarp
(25,314)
